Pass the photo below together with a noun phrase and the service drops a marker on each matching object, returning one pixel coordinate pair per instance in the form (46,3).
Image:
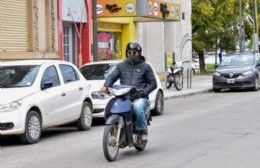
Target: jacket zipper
(132,74)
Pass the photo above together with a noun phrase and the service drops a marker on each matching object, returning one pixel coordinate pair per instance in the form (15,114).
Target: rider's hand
(139,94)
(103,89)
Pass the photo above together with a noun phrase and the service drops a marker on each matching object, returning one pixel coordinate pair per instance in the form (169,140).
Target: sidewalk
(200,84)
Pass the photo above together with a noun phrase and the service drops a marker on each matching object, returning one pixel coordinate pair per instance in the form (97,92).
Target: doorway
(69,43)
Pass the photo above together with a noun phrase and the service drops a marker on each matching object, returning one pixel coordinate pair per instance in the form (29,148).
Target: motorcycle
(175,77)
(119,129)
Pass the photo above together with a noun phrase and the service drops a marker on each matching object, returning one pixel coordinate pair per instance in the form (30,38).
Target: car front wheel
(159,104)
(256,87)
(33,128)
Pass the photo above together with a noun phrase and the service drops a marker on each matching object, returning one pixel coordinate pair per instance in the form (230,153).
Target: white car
(96,73)
(37,94)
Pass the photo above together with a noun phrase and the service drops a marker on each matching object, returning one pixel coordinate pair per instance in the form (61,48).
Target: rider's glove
(139,94)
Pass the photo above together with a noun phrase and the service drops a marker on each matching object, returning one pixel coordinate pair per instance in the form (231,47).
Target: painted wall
(150,36)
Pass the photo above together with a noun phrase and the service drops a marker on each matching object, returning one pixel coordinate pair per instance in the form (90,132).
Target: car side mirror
(46,85)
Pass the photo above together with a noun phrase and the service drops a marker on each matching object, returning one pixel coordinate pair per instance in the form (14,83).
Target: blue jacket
(139,75)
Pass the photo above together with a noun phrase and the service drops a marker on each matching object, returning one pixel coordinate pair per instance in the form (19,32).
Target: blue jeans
(139,108)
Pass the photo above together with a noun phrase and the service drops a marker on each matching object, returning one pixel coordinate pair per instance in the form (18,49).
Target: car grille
(228,75)
(237,84)
(6,126)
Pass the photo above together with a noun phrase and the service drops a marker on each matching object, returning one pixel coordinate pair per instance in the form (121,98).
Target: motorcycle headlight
(99,95)
(247,73)
(10,106)
(217,73)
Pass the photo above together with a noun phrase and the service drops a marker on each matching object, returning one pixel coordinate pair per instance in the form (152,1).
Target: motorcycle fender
(114,119)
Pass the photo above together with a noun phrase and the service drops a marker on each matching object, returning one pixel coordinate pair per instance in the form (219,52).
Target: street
(203,131)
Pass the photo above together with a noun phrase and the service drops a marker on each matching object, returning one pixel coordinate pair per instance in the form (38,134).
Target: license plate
(230,80)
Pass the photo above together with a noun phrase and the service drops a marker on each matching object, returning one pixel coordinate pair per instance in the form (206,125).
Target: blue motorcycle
(119,130)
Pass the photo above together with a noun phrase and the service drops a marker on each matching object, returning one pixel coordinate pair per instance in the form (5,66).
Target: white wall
(150,36)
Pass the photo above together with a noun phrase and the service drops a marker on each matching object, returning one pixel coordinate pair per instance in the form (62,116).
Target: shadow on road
(236,91)
(6,141)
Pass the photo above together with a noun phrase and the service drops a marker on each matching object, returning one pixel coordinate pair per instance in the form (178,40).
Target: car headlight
(217,73)
(10,106)
(247,73)
(99,95)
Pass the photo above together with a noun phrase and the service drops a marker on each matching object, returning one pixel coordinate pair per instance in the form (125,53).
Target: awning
(74,11)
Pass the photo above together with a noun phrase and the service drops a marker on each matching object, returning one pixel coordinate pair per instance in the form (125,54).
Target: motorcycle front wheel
(110,147)
(178,82)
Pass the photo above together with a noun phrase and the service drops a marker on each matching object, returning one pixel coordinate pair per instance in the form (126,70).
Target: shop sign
(119,8)
(153,8)
(146,8)
(175,11)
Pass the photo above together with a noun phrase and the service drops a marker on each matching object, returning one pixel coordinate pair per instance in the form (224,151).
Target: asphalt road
(203,131)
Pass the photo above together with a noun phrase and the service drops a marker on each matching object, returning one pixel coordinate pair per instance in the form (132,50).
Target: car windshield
(97,71)
(247,60)
(17,76)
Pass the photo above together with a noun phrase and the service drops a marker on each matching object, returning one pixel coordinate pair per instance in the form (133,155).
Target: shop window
(109,45)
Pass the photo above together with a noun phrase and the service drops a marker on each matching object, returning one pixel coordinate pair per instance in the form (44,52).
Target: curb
(187,94)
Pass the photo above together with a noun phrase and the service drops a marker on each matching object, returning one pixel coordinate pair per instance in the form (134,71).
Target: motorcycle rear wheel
(110,148)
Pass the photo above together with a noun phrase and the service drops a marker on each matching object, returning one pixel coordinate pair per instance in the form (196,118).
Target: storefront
(109,41)
(74,31)
(117,23)
(116,27)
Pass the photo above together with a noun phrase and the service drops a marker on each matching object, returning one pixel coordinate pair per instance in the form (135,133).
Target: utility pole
(255,35)
(241,36)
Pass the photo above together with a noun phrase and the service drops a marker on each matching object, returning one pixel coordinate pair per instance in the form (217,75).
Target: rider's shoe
(144,137)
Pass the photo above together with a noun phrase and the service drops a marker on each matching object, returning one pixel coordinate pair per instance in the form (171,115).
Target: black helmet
(134,46)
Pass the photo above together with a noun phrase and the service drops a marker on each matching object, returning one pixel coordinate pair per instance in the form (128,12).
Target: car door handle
(80,88)
(63,94)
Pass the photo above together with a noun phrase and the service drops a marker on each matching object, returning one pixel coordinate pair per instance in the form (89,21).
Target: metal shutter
(14,25)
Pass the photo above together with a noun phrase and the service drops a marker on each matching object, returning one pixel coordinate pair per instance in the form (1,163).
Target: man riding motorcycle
(135,72)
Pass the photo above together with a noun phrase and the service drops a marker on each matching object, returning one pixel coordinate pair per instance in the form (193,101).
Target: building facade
(46,29)
(173,38)
(162,37)
(28,29)
(75,30)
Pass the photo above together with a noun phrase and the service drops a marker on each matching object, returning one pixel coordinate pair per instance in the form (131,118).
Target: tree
(215,25)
